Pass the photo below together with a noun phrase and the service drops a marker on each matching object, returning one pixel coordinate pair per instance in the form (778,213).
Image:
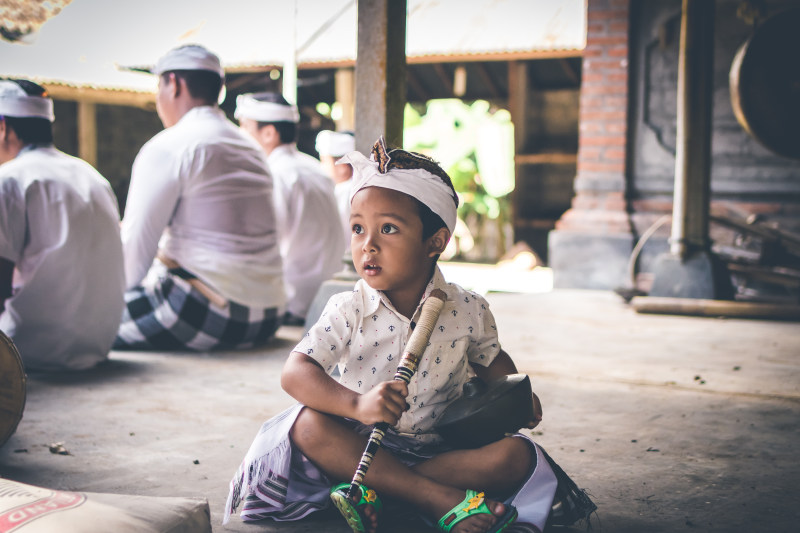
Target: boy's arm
(307,382)
(502,365)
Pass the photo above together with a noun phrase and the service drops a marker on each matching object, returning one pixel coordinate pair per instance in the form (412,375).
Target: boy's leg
(336,450)
(499,468)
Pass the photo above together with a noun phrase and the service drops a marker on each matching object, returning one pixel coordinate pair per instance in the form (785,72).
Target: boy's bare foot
(479,522)
(369,517)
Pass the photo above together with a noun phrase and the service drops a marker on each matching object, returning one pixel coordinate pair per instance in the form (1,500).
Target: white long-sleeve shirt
(201,193)
(59,225)
(308,221)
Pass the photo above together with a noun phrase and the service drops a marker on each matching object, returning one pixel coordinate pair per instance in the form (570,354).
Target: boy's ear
(438,242)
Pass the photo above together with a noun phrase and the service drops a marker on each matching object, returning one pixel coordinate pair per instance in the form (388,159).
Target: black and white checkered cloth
(172,315)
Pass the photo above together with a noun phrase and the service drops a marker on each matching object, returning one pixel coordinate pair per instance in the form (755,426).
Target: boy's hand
(385,402)
(537,412)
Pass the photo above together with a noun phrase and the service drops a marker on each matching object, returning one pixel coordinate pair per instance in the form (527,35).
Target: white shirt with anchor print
(364,335)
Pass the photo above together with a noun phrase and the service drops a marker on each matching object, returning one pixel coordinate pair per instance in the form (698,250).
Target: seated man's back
(199,235)
(59,227)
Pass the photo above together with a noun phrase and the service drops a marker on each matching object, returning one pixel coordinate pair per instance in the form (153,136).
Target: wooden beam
(345,90)
(444,77)
(547,158)
(569,71)
(87,132)
(416,84)
(487,80)
(102,96)
(233,85)
(518,101)
(517,107)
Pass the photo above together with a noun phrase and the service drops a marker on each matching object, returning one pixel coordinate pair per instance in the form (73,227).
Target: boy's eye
(357,229)
(388,228)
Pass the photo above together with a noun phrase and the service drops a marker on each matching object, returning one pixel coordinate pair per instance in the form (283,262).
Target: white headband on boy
(248,107)
(15,102)
(417,183)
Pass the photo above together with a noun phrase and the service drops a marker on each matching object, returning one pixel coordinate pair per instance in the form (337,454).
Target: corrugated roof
(82,46)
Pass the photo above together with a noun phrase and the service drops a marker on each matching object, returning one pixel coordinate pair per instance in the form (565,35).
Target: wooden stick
(415,347)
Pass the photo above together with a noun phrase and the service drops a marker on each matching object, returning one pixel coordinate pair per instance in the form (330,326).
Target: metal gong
(12,388)
(765,84)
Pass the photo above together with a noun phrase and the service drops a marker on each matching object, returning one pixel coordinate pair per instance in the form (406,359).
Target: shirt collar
(199,111)
(33,146)
(373,298)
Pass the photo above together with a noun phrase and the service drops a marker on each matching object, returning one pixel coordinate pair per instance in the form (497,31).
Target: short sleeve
(484,343)
(328,340)
(12,220)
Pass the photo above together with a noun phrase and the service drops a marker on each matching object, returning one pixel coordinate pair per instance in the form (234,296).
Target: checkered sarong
(170,314)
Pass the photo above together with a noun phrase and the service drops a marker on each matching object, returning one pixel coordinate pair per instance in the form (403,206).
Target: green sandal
(474,504)
(349,509)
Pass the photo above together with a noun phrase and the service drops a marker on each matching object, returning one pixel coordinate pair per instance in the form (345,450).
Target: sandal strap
(473,503)
(350,510)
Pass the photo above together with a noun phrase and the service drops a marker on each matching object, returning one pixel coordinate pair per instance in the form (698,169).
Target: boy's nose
(369,244)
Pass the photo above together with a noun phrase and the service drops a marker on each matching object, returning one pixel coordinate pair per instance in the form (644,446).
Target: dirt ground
(670,423)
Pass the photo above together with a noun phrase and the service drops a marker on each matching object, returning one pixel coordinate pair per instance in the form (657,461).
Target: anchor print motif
(453,344)
(389,358)
(360,358)
(327,329)
(391,328)
(455,313)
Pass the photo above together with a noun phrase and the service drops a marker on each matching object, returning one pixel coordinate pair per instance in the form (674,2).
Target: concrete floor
(670,423)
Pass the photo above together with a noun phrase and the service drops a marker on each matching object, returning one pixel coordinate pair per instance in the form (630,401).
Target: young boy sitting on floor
(403,211)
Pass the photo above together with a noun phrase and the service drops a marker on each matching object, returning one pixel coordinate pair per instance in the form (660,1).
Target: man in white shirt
(61,273)
(202,262)
(308,220)
(331,145)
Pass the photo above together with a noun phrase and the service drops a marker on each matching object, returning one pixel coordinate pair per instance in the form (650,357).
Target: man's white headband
(15,102)
(417,183)
(248,107)
(334,143)
(189,57)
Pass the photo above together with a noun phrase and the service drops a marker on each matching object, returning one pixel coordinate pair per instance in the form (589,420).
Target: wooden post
(517,107)
(346,97)
(87,132)
(380,72)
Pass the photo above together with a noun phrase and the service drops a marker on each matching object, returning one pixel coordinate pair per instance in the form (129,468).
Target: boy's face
(387,246)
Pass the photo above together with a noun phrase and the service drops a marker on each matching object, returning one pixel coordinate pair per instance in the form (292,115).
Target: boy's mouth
(371,268)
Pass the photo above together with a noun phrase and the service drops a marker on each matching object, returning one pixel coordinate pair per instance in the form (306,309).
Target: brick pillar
(591,243)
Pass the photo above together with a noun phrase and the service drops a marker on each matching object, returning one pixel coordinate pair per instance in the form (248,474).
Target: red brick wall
(599,202)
